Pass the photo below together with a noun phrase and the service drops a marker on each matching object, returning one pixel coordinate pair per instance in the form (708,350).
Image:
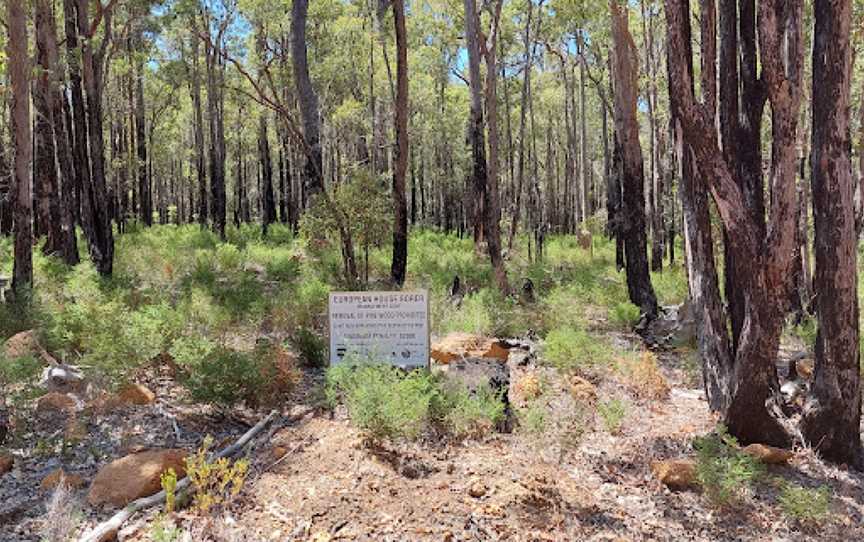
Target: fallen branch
(108,529)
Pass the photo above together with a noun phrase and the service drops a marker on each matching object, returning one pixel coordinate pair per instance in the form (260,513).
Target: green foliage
(625,315)
(164,529)
(214,483)
(533,418)
(311,347)
(722,469)
(168,480)
(573,349)
(20,370)
(612,412)
(388,403)
(806,505)
(217,374)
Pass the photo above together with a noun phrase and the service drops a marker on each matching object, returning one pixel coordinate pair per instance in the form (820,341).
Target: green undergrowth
(387,403)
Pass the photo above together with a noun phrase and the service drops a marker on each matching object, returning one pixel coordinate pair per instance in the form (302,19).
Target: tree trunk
(307,99)
(19,79)
(145,197)
(832,414)
(627,129)
(400,217)
(268,199)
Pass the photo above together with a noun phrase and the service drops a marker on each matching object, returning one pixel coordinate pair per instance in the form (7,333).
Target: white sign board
(388,326)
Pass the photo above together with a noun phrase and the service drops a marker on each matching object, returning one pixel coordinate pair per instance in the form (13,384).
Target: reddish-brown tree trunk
(832,415)
(400,210)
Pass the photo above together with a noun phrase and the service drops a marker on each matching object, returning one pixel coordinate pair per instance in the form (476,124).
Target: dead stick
(108,529)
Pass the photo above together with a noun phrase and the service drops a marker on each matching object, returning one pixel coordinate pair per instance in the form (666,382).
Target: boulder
(134,476)
(58,476)
(135,394)
(26,344)
(6,463)
(455,346)
(768,454)
(676,474)
(56,402)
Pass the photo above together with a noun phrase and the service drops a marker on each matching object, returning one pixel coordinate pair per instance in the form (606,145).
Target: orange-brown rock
(768,454)
(21,344)
(676,474)
(804,368)
(57,476)
(278,452)
(455,346)
(6,463)
(55,402)
(135,394)
(134,476)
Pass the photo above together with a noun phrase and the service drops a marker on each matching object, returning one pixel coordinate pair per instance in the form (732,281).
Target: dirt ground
(313,477)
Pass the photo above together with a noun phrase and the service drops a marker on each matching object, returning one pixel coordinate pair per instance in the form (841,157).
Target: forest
(628,232)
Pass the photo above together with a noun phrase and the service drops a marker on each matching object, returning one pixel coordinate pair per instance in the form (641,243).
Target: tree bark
(19,78)
(627,129)
(832,414)
(400,216)
(307,99)
(268,199)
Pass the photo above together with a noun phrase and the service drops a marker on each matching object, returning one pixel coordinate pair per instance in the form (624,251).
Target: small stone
(135,394)
(804,368)
(53,479)
(6,463)
(768,454)
(278,452)
(477,490)
(676,474)
(55,402)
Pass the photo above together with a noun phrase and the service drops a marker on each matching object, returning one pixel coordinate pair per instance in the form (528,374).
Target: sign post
(390,327)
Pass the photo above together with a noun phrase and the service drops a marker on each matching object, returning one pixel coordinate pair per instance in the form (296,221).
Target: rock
(134,476)
(528,387)
(22,344)
(804,368)
(768,454)
(477,490)
(582,390)
(457,346)
(676,474)
(56,402)
(57,476)
(6,463)
(135,394)
(63,379)
(278,452)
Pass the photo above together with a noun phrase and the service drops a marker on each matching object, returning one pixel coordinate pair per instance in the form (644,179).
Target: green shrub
(573,349)
(806,505)
(216,374)
(311,347)
(388,403)
(625,315)
(19,370)
(382,401)
(612,412)
(722,469)
(471,414)
(533,418)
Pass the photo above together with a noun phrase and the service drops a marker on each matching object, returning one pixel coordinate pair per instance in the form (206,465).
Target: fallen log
(107,530)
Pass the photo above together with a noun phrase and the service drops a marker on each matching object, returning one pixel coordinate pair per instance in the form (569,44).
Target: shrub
(625,315)
(217,374)
(311,347)
(387,403)
(573,349)
(722,469)
(806,505)
(214,482)
(381,401)
(612,412)
(472,414)
(532,418)
(643,375)
(19,370)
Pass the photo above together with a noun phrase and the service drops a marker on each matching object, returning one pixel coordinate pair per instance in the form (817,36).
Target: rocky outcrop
(456,346)
(676,474)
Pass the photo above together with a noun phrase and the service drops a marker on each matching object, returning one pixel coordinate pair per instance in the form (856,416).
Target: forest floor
(557,473)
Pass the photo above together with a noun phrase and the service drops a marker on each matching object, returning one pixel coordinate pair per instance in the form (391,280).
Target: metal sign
(390,327)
